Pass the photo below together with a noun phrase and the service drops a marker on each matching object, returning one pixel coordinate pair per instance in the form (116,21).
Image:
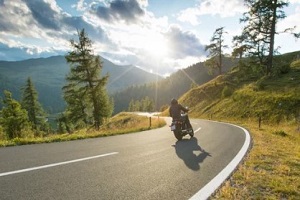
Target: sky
(159,36)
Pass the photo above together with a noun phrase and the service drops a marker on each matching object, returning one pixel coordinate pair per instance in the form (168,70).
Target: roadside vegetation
(121,123)
(260,93)
(271,170)
(269,107)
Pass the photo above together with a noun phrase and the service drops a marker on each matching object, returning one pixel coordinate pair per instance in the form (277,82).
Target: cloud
(74,23)
(8,53)
(184,49)
(80,6)
(14,17)
(43,13)
(183,43)
(123,31)
(41,25)
(224,9)
(128,11)
(294,1)
(290,21)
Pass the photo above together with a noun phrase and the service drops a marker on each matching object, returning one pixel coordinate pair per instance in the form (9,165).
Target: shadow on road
(185,150)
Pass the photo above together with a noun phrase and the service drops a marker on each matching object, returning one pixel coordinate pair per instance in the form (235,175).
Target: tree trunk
(272,38)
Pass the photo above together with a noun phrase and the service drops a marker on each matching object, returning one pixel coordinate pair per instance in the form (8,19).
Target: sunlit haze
(159,36)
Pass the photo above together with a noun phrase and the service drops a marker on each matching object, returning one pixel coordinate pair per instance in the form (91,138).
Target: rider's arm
(170,113)
(183,108)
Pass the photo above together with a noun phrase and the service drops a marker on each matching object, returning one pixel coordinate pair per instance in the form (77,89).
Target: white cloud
(80,6)
(224,9)
(290,21)
(190,15)
(130,35)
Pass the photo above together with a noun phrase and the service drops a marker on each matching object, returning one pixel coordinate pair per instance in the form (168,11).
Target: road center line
(197,130)
(56,164)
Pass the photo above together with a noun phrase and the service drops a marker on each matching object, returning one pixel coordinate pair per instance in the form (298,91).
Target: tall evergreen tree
(36,114)
(13,118)
(258,36)
(215,49)
(77,113)
(85,84)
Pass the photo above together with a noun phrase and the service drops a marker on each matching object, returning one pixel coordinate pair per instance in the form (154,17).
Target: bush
(282,69)
(280,133)
(226,92)
(2,134)
(261,83)
(295,64)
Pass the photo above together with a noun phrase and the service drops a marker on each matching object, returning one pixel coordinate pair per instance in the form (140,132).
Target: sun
(155,45)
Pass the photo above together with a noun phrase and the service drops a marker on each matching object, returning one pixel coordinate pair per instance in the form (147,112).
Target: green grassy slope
(274,99)
(271,168)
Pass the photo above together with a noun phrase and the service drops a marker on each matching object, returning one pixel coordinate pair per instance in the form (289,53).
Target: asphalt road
(145,165)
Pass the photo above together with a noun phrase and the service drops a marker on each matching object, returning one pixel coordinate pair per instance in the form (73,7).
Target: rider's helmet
(174,101)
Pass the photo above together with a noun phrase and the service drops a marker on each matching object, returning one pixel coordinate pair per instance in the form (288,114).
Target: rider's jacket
(175,110)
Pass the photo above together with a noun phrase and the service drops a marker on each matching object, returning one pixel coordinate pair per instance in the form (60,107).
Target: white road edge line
(56,164)
(215,183)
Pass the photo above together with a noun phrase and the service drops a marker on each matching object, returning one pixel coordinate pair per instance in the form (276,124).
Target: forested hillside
(48,76)
(161,92)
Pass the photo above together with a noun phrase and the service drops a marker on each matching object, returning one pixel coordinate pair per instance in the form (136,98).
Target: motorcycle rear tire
(178,135)
(192,134)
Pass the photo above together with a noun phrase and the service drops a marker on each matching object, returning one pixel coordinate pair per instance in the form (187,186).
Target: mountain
(161,92)
(48,76)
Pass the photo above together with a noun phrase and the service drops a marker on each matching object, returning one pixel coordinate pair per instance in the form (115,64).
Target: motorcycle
(180,127)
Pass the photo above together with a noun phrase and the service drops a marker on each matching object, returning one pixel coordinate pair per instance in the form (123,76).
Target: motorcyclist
(175,112)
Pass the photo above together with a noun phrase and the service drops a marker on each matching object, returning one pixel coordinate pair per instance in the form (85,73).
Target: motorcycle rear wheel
(178,135)
(192,134)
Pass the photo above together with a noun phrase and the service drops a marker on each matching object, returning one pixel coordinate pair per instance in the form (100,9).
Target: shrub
(226,92)
(284,69)
(2,134)
(261,83)
(295,64)
(280,133)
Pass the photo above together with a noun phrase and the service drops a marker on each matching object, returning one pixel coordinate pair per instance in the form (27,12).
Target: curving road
(145,165)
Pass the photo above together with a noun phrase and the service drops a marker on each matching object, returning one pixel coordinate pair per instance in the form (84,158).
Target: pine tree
(131,106)
(13,118)
(85,91)
(77,112)
(216,50)
(258,36)
(30,103)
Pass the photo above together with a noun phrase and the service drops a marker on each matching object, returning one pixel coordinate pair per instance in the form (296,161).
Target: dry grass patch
(122,123)
(271,170)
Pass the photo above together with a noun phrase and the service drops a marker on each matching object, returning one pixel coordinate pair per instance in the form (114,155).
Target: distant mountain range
(48,76)
(125,83)
(161,92)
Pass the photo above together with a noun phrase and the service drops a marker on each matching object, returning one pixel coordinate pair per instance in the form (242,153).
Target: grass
(122,123)
(271,169)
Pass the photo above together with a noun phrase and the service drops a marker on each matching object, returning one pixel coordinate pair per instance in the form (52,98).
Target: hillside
(271,168)
(173,86)
(274,99)
(48,76)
